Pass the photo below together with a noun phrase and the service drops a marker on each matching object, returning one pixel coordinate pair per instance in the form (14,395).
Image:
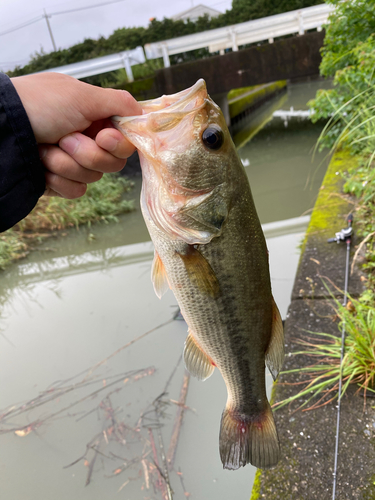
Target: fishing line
(344,235)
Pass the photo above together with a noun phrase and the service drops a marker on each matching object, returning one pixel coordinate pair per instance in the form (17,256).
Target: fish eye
(213,138)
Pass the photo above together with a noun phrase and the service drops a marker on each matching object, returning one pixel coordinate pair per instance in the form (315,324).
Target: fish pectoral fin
(196,360)
(210,210)
(200,272)
(275,349)
(159,276)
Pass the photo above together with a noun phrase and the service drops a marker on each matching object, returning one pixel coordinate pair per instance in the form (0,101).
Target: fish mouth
(171,122)
(185,101)
(175,101)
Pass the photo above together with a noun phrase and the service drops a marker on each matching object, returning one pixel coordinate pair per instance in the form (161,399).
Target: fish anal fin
(159,276)
(248,439)
(196,360)
(200,272)
(275,349)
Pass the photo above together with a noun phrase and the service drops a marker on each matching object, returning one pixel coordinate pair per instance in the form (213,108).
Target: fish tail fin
(248,439)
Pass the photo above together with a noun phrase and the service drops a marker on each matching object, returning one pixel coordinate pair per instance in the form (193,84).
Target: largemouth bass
(210,250)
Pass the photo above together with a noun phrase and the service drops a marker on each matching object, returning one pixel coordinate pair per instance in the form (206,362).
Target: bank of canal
(70,316)
(308,437)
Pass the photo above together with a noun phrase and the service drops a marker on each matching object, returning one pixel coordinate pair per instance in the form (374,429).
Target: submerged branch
(178,421)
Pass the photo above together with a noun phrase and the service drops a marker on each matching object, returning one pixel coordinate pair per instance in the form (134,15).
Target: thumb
(104,103)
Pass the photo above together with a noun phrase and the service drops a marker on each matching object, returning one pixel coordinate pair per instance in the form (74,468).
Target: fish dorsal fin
(196,360)
(275,349)
(159,276)
(200,271)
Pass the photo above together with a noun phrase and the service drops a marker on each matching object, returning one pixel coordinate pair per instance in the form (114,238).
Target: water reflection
(122,414)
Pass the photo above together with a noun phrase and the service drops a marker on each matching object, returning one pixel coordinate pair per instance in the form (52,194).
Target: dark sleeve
(21,170)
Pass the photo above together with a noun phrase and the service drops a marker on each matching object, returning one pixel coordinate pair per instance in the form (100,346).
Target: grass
(358,367)
(103,202)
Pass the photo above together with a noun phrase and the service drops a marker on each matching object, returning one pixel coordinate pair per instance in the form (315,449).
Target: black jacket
(21,170)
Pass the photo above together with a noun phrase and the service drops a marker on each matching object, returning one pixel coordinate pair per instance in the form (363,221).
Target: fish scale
(210,250)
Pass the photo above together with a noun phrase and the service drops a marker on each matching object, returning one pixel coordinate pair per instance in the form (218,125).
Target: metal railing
(100,65)
(231,37)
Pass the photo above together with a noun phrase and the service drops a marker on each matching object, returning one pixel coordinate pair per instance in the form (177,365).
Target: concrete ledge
(250,97)
(319,258)
(308,437)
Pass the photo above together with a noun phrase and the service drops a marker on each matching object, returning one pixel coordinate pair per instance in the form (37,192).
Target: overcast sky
(70,28)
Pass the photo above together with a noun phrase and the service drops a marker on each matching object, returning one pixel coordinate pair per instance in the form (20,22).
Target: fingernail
(69,144)
(42,152)
(110,143)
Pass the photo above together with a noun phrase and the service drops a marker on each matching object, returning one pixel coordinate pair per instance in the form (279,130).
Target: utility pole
(46,16)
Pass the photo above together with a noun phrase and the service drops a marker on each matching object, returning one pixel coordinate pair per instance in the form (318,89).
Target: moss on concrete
(234,93)
(369,491)
(331,202)
(241,99)
(256,486)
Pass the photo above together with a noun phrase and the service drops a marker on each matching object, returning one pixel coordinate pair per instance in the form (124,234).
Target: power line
(36,19)
(20,61)
(84,8)
(23,25)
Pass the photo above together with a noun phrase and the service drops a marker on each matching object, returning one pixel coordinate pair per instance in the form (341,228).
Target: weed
(358,366)
(101,203)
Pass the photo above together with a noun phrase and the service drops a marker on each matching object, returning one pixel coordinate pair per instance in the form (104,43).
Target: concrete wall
(290,58)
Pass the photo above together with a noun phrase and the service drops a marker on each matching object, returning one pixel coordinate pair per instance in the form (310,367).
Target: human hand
(70,121)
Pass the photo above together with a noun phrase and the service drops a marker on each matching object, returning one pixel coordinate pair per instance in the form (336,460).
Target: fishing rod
(345,235)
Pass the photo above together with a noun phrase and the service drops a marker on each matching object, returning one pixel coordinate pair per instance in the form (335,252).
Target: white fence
(99,65)
(231,37)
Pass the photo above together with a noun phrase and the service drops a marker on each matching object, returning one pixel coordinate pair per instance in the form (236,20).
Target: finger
(87,153)
(59,162)
(93,130)
(114,142)
(103,103)
(64,187)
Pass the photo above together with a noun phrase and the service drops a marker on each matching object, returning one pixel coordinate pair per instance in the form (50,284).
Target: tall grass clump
(350,105)
(321,381)
(103,202)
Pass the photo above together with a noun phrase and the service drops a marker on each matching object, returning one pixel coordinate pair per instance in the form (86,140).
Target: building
(195,12)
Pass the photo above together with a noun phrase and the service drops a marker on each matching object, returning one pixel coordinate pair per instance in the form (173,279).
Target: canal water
(92,384)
